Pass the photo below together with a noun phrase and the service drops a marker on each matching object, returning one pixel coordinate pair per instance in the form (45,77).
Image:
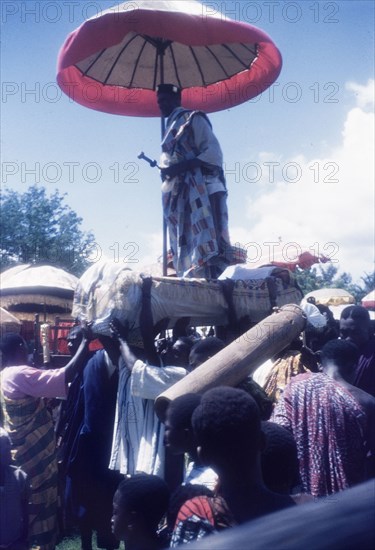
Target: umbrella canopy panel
(114,61)
(135,63)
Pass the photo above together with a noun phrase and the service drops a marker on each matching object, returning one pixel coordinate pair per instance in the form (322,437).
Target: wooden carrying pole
(240,358)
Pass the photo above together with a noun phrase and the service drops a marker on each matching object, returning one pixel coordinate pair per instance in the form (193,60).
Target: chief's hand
(87,332)
(119,330)
(174,170)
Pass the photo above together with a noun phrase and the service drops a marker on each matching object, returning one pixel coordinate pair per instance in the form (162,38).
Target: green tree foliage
(39,229)
(315,278)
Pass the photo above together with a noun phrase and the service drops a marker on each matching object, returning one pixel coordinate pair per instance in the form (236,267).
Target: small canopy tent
(28,289)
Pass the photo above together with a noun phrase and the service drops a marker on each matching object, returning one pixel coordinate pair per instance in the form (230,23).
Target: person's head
(265,403)
(340,356)
(227,429)
(5,448)
(179,437)
(317,333)
(355,325)
(204,350)
(168,97)
(139,504)
(279,460)
(14,351)
(74,339)
(178,354)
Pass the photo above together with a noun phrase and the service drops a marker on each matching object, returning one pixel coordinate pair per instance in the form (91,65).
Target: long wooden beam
(240,358)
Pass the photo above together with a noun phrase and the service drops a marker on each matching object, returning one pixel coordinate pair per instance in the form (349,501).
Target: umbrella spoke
(198,65)
(229,49)
(156,65)
(159,43)
(254,51)
(118,57)
(175,66)
(218,62)
(160,46)
(93,62)
(136,64)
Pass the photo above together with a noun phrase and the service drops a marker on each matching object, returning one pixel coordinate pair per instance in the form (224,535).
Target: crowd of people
(300,429)
(108,465)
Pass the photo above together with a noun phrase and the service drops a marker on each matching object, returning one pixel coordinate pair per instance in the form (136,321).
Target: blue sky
(299,158)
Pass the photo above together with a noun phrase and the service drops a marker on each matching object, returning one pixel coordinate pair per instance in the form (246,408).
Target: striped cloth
(197,222)
(30,428)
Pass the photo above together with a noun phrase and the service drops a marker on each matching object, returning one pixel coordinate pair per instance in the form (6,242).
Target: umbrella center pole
(165,236)
(161,51)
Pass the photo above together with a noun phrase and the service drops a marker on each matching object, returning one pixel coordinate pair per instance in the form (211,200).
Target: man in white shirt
(138,436)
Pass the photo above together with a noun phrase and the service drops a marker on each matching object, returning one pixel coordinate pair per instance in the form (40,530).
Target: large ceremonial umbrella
(114,61)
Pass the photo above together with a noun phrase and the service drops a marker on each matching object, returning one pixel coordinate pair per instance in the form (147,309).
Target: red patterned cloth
(199,517)
(331,431)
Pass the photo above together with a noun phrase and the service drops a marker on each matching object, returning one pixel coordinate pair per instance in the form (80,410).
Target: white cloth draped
(138,435)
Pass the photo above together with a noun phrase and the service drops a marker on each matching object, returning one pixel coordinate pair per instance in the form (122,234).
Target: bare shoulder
(366,400)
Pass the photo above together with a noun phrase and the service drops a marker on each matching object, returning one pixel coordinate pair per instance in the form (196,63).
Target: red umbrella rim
(106,30)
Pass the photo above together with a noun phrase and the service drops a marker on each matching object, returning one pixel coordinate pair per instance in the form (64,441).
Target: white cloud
(325,204)
(365,95)
(153,247)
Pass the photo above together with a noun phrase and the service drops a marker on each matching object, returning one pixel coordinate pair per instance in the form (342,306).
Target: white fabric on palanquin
(138,439)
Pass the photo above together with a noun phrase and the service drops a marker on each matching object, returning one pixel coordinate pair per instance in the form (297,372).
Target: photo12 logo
(288,92)
(269,172)
(290,252)
(273,11)
(69,172)
(57,11)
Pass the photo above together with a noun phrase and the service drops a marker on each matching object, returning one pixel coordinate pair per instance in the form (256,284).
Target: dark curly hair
(359,313)
(148,495)
(181,409)
(227,423)
(343,353)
